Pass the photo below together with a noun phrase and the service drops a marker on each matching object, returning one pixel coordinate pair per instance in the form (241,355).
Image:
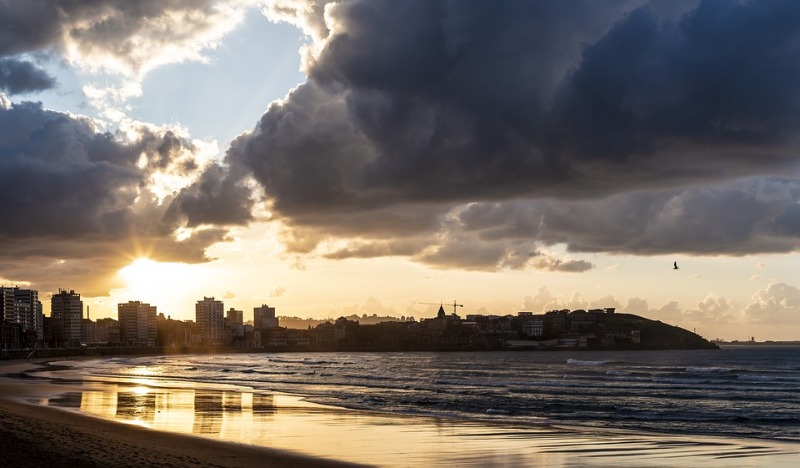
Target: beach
(77,420)
(33,435)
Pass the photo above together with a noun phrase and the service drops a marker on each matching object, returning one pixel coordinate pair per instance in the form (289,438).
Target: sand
(40,436)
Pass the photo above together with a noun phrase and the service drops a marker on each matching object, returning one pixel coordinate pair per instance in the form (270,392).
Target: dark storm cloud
(17,76)
(27,25)
(74,193)
(719,80)
(736,218)
(213,199)
(625,126)
(52,180)
(459,134)
(436,101)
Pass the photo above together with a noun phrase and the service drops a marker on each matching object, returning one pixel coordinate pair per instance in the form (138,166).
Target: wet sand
(33,435)
(140,422)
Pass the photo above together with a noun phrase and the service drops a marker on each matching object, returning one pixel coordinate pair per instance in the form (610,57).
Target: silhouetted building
(209,317)
(137,323)
(235,317)
(264,317)
(234,327)
(175,333)
(66,311)
(21,310)
(532,325)
(107,331)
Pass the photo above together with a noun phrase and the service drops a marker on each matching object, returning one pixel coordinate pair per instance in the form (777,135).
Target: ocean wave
(768,378)
(709,369)
(730,393)
(581,362)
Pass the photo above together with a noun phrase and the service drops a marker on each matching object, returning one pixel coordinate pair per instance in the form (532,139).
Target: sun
(142,271)
(170,286)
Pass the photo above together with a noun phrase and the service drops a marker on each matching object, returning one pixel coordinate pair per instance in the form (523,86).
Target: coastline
(299,433)
(38,435)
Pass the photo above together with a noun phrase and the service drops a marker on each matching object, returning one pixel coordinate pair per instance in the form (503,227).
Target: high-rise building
(234,322)
(235,318)
(209,317)
(137,323)
(27,308)
(66,312)
(9,332)
(264,317)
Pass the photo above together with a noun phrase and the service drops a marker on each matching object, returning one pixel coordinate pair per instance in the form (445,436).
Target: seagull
(675,266)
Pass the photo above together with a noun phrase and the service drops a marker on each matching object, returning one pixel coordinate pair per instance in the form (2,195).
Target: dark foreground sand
(40,436)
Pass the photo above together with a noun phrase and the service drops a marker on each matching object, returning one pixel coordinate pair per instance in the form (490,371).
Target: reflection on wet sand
(288,422)
(207,412)
(184,410)
(137,405)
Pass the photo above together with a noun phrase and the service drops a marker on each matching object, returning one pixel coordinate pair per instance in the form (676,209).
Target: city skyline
(337,158)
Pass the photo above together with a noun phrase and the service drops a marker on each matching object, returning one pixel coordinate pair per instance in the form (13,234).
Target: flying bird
(675,266)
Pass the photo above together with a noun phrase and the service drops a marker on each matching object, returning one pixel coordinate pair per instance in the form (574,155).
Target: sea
(749,391)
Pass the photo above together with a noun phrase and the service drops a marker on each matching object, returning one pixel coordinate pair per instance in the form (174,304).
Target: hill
(655,334)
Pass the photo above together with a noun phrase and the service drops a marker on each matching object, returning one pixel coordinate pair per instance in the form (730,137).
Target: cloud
(212,199)
(17,76)
(544,301)
(605,301)
(739,217)
(92,199)
(112,43)
(371,306)
(778,303)
(549,263)
(670,312)
(713,309)
(117,35)
(628,127)
(458,134)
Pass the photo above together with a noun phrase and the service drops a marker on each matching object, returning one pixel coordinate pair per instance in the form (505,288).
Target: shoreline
(527,346)
(230,427)
(37,435)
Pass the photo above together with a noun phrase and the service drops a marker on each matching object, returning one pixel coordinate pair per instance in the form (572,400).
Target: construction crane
(441,304)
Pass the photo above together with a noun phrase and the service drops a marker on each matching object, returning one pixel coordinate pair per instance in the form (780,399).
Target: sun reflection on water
(146,371)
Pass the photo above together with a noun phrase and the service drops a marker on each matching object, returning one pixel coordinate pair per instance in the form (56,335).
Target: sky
(370,156)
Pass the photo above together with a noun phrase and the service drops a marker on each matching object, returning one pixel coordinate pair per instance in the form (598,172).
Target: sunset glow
(167,285)
(271,152)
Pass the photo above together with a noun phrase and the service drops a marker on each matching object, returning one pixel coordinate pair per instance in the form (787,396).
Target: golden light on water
(144,371)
